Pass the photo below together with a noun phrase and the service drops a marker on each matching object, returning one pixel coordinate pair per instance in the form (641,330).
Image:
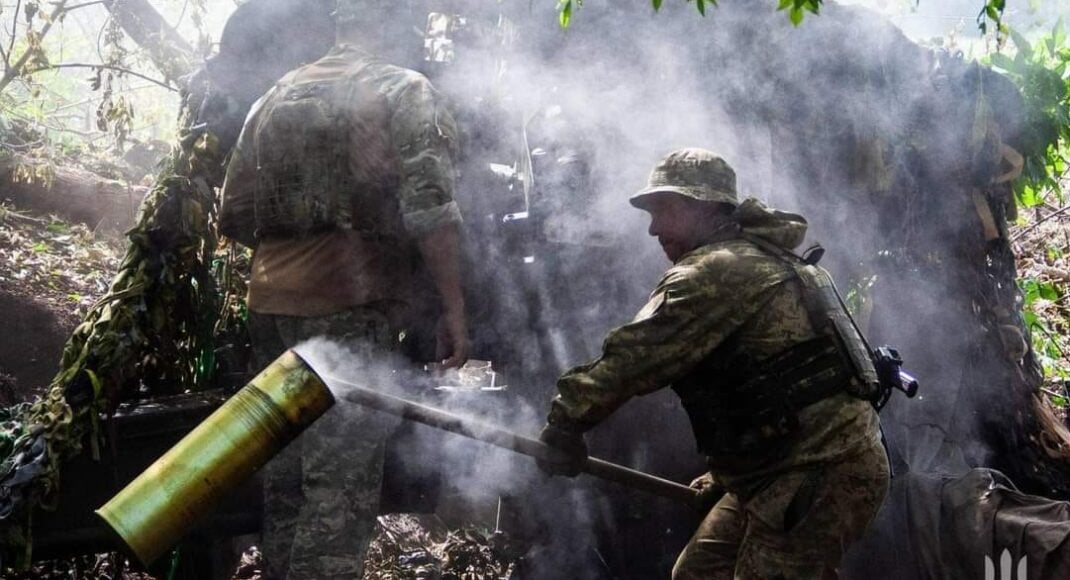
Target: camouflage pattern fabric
(794,529)
(691,172)
(413,165)
(723,305)
(321,494)
(400,142)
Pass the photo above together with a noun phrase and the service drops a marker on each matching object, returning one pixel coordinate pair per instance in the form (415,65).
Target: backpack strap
(829,314)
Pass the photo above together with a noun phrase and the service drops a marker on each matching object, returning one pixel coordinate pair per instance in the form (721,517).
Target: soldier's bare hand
(452,338)
(702,482)
(709,492)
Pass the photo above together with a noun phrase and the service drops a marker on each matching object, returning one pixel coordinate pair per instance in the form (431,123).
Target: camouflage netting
(157,331)
(173,318)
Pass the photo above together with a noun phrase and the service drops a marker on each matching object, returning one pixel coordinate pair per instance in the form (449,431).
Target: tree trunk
(171,54)
(74,194)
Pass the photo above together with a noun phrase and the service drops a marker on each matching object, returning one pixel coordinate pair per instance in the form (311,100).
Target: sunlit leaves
(797,9)
(35,57)
(992,12)
(564,9)
(1041,71)
(1033,290)
(1049,343)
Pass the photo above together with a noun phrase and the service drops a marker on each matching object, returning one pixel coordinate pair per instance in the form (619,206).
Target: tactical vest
(302,147)
(744,412)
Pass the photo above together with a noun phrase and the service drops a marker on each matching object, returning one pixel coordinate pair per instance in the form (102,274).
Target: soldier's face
(680,224)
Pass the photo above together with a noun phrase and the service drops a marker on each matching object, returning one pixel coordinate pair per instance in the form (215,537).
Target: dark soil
(51,272)
(30,345)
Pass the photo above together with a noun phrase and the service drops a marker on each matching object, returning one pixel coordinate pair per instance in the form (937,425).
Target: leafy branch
(1041,72)
(34,55)
(992,11)
(102,67)
(797,9)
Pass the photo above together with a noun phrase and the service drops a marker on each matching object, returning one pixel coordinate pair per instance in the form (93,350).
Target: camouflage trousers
(321,494)
(797,528)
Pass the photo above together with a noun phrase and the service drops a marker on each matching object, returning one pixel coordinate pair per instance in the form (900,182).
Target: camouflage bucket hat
(361,11)
(692,172)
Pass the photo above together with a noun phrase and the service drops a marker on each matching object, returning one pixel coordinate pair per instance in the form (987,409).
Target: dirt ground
(52,273)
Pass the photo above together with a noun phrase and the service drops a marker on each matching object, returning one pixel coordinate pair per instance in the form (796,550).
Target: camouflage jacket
(719,304)
(405,141)
(401,143)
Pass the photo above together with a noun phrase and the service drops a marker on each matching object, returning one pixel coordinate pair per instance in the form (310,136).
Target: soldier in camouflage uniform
(342,181)
(771,371)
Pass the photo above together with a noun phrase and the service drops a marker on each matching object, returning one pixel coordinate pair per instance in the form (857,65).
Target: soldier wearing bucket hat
(342,180)
(695,173)
(776,381)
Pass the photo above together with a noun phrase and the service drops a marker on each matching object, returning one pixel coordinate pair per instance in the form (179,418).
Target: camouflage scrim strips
(720,308)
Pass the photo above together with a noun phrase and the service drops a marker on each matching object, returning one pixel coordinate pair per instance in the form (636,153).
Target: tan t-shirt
(328,272)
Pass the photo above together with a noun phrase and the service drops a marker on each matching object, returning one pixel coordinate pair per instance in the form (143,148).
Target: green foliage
(565,9)
(797,9)
(1041,71)
(1033,290)
(992,12)
(1050,345)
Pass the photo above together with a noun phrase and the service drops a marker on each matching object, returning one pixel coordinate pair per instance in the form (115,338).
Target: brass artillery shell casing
(170,497)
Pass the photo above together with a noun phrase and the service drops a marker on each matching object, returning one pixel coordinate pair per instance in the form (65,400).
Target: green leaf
(1029,290)
(1029,197)
(657,4)
(1048,291)
(58,228)
(98,386)
(796,16)
(1002,61)
(1024,48)
(701,5)
(565,14)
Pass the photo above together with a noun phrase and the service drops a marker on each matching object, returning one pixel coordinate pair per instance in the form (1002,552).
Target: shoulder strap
(797,261)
